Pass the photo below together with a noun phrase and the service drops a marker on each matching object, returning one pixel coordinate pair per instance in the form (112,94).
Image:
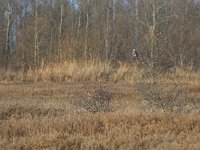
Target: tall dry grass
(92,71)
(184,76)
(95,71)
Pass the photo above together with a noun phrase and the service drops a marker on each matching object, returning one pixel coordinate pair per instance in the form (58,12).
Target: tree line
(166,33)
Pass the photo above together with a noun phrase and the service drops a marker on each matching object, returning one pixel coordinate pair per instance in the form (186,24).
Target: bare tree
(60,29)
(8,28)
(137,21)
(86,30)
(165,32)
(36,44)
(51,30)
(107,31)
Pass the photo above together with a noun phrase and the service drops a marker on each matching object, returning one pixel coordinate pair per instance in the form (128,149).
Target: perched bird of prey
(135,54)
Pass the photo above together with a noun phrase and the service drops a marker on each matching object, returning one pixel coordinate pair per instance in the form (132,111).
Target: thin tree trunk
(36,54)
(7,53)
(60,30)
(51,34)
(107,47)
(152,36)
(136,22)
(24,52)
(78,29)
(112,29)
(86,31)
(79,24)
(113,10)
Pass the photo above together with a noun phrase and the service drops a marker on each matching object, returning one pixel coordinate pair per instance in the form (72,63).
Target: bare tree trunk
(51,34)
(36,54)
(113,9)
(7,51)
(112,29)
(79,24)
(78,29)
(107,46)
(60,30)
(136,21)
(152,34)
(182,49)
(171,7)
(86,31)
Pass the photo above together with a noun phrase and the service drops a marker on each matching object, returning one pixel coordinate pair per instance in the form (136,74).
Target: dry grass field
(91,106)
(53,116)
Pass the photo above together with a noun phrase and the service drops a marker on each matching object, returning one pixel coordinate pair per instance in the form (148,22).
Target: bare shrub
(159,95)
(94,100)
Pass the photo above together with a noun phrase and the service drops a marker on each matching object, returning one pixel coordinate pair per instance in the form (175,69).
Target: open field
(44,116)
(99,75)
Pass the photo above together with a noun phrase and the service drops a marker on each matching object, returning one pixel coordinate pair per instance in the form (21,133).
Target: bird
(135,54)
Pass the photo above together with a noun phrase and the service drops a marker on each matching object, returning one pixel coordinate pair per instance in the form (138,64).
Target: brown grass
(94,71)
(42,116)
(51,108)
(91,71)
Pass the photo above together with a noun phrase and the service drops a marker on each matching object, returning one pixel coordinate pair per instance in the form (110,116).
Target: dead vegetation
(94,100)
(91,71)
(95,116)
(94,71)
(48,110)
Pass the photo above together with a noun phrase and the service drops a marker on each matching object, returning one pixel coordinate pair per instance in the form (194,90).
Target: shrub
(96,100)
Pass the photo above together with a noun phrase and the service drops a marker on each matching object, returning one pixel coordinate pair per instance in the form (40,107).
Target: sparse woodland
(68,78)
(37,32)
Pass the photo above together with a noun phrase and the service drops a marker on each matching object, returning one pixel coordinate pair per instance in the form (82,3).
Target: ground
(49,116)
